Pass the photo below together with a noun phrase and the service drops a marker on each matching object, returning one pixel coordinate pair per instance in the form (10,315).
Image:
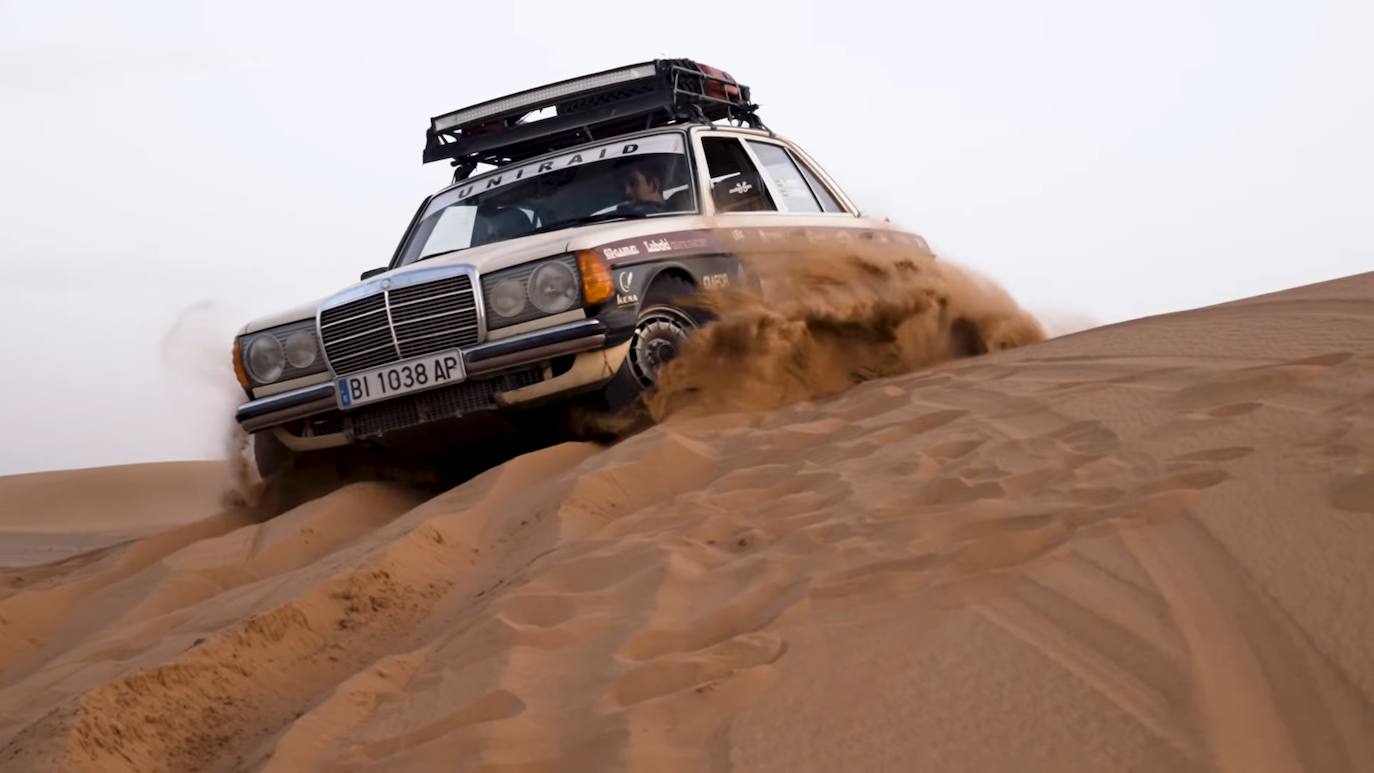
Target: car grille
(400,323)
(434,317)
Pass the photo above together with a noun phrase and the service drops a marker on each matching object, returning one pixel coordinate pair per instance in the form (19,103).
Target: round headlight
(553,288)
(265,358)
(300,349)
(507,298)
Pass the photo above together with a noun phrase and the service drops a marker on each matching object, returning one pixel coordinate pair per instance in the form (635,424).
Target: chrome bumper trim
(567,338)
(541,344)
(268,411)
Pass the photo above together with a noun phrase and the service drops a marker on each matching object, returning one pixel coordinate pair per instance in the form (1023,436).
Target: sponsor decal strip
(723,240)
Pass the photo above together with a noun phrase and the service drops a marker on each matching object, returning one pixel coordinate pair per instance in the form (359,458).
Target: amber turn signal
(238,368)
(597,285)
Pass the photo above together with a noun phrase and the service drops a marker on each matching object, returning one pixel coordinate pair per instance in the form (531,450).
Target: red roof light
(719,83)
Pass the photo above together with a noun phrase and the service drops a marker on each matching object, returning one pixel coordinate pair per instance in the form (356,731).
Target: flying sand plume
(823,319)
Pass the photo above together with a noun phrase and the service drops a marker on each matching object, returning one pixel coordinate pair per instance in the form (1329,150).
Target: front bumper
(513,352)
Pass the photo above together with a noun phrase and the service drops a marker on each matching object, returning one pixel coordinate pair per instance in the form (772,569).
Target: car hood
(293,314)
(494,257)
(488,257)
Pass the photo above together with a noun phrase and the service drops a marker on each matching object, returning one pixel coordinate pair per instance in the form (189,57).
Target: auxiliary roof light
(543,95)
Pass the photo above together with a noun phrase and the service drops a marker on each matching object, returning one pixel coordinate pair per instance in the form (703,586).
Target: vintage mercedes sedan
(561,263)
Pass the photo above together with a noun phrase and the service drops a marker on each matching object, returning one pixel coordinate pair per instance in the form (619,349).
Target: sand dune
(47,516)
(130,497)
(1141,547)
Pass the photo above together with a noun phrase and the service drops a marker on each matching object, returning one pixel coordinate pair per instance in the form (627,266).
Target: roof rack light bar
(632,98)
(544,95)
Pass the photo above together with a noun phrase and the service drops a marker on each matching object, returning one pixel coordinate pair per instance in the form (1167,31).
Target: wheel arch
(634,281)
(673,269)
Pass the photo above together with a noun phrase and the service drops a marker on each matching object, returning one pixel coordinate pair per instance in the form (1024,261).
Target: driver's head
(642,184)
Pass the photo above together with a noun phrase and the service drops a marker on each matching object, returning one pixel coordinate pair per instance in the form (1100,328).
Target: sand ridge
(1142,547)
(49,516)
(132,497)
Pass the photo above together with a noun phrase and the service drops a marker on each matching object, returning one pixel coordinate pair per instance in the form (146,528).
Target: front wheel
(659,336)
(270,454)
(665,322)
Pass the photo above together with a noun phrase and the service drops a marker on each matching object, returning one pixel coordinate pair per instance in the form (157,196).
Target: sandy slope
(129,497)
(45,516)
(1144,547)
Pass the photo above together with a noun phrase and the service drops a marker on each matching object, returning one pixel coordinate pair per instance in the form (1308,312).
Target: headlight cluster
(533,290)
(265,359)
(281,353)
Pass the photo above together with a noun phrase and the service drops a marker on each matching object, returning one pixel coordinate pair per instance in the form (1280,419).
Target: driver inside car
(643,188)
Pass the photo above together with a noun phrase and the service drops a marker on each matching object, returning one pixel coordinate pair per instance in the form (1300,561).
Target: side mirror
(371,272)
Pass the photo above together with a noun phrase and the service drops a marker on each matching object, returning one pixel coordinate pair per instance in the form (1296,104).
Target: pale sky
(169,170)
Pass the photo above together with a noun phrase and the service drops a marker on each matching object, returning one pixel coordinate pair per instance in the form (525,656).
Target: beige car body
(600,364)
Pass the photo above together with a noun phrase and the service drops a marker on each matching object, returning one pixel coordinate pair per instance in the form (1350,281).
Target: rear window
(800,189)
(787,180)
(828,201)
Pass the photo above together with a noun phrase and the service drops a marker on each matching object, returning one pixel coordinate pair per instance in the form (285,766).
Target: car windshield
(628,178)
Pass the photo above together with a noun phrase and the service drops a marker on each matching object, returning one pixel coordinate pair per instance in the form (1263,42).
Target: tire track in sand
(1270,701)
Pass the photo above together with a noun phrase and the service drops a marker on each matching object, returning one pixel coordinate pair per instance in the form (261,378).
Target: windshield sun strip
(676,144)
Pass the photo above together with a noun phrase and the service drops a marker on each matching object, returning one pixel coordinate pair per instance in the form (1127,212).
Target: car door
(753,180)
(764,192)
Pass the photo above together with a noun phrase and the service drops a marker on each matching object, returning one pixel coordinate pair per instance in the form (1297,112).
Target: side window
(735,184)
(787,180)
(828,201)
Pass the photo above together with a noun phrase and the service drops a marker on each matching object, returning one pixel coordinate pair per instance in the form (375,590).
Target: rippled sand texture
(1142,547)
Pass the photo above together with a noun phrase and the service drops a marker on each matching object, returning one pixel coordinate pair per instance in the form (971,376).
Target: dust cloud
(817,319)
(196,348)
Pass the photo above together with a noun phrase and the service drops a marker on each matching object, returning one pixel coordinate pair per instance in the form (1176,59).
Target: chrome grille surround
(412,314)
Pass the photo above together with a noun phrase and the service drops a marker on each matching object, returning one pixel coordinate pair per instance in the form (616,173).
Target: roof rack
(604,104)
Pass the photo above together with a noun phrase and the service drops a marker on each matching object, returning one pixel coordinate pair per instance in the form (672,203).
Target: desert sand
(1141,547)
(45,516)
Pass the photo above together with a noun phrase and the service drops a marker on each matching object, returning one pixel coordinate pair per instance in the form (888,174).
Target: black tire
(269,454)
(666,318)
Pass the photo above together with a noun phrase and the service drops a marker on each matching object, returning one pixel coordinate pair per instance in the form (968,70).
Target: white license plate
(400,378)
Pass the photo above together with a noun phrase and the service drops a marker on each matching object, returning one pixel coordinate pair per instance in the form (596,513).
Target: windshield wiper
(604,217)
(437,254)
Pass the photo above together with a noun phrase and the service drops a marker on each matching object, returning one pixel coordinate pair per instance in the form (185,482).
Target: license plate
(400,378)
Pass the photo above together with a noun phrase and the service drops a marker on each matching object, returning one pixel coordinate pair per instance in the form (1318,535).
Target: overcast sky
(169,170)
